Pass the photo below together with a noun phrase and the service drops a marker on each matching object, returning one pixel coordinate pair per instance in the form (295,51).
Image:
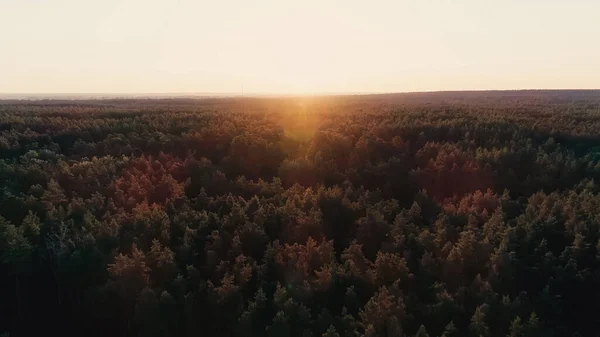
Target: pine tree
(478,326)
(383,312)
(130,272)
(422,332)
(516,328)
(450,330)
(532,328)
(31,226)
(331,332)
(54,195)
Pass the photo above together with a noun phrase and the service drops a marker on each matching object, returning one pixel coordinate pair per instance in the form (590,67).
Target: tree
(16,248)
(16,254)
(130,272)
(330,332)
(371,232)
(280,326)
(384,312)
(516,328)
(391,268)
(532,328)
(450,330)
(478,327)
(31,226)
(146,315)
(54,195)
(168,315)
(161,263)
(422,332)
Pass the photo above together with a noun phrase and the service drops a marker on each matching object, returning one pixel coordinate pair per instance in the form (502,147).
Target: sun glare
(301,120)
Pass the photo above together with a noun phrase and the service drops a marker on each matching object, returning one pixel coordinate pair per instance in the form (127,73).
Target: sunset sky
(308,46)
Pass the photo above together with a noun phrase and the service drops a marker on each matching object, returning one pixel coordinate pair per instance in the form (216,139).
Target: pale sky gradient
(279,46)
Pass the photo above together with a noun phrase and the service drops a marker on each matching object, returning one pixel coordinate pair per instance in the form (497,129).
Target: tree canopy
(440,214)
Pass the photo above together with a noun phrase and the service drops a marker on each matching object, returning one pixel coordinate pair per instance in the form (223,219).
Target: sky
(304,46)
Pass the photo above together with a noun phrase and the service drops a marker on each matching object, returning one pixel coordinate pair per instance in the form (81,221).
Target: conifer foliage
(441,214)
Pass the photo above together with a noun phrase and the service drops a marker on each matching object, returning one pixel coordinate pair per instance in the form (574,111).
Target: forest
(442,214)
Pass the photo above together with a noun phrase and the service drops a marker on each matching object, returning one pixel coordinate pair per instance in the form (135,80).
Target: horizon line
(124,95)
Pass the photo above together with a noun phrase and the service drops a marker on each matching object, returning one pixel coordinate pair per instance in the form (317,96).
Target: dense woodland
(439,214)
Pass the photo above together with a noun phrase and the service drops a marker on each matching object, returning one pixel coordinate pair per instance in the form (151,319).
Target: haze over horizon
(276,47)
